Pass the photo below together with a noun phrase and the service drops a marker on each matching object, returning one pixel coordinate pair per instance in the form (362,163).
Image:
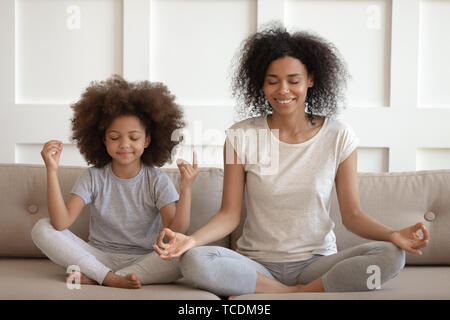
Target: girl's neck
(125,171)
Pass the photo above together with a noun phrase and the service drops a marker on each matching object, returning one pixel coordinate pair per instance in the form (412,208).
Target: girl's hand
(51,152)
(409,240)
(177,245)
(188,172)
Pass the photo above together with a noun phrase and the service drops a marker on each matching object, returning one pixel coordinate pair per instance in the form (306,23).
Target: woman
(291,86)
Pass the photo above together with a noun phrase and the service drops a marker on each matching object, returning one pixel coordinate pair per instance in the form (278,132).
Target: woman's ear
(311,80)
(147,141)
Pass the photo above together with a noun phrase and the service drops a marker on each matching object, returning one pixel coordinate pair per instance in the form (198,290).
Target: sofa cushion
(23,201)
(41,279)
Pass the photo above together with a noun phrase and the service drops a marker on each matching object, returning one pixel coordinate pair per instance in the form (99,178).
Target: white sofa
(396,199)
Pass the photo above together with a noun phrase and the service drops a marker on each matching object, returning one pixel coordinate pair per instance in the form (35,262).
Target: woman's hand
(177,245)
(409,240)
(188,172)
(51,152)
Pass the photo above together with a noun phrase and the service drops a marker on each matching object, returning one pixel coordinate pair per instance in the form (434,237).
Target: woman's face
(286,84)
(126,140)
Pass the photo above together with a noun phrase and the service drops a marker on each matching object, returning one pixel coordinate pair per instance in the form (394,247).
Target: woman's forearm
(367,227)
(59,215)
(219,226)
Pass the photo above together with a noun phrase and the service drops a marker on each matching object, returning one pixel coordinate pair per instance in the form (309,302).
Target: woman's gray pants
(226,272)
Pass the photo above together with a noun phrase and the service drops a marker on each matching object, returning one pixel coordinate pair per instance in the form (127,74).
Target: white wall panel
(373,159)
(136,39)
(432,158)
(404,53)
(361,31)
(62,45)
(434,53)
(31,153)
(192,43)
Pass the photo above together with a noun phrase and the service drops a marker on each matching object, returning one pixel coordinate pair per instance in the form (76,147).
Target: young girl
(124,130)
(290,84)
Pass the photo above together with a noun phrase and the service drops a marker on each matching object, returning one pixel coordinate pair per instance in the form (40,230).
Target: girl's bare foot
(83,279)
(130,281)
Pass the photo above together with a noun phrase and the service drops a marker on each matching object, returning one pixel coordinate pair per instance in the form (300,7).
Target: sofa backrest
(397,200)
(23,201)
(402,199)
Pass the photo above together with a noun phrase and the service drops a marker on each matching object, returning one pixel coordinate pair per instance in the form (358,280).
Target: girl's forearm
(182,217)
(59,215)
(367,227)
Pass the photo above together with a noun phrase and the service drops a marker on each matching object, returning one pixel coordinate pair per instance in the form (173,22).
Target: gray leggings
(226,272)
(65,249)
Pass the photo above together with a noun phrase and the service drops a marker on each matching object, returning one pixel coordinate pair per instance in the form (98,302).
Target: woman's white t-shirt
(288,189)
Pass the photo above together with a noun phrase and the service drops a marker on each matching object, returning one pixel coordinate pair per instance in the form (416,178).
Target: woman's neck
(290,124)
(125,171)
(294,129)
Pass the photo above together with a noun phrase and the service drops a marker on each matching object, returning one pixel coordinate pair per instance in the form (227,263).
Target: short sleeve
(348,143)
(165,191)
(83,187)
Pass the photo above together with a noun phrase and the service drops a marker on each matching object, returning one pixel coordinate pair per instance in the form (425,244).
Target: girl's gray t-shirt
(125,213)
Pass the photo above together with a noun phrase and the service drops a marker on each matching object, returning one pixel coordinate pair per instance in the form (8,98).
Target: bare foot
(300,288)
(314,286)
(232,297)
(83,279)
(130,281)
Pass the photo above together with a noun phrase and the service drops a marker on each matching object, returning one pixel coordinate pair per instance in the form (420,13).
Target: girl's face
(286,84)
(126,140)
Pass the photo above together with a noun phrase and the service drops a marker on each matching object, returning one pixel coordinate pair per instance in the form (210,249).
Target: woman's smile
(285,101)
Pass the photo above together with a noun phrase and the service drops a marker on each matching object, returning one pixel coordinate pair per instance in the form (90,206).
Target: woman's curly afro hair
(320,57)
(103,101)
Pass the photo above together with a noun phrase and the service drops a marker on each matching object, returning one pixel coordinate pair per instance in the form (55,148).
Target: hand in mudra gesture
(51,152)
(177,244)
(409,240)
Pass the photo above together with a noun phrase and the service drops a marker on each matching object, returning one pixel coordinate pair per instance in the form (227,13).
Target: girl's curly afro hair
(103,101)
(320,57)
